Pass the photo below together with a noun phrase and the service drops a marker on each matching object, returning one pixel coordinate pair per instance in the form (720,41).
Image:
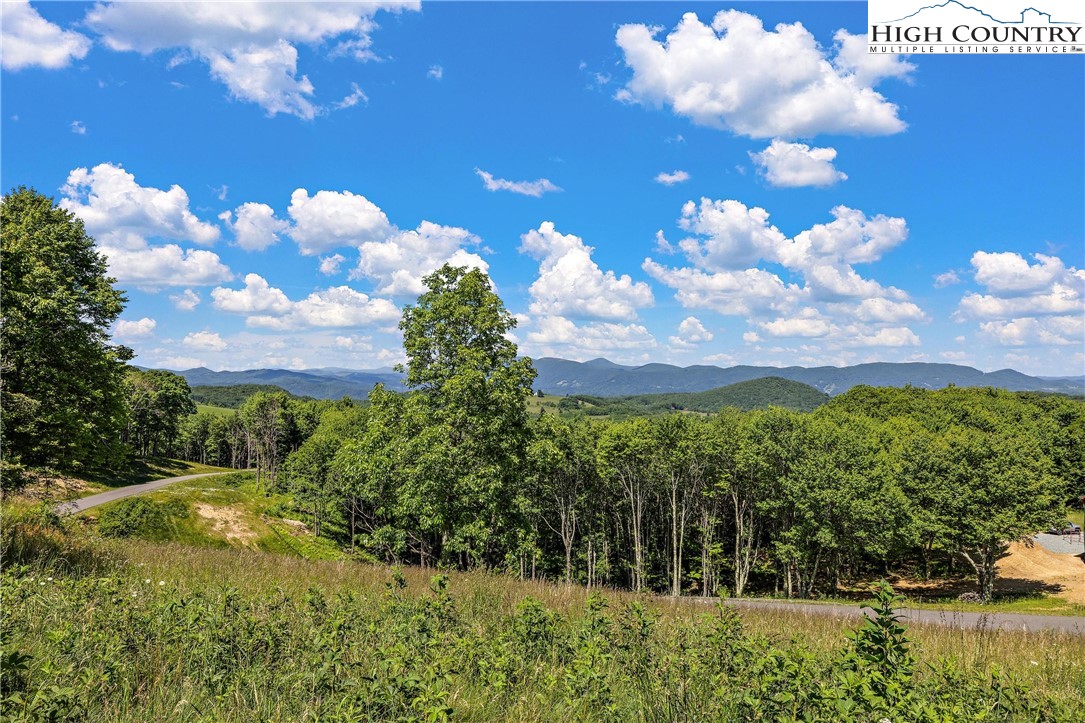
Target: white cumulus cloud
(524,188)
(137,329)
(735,75)
(187,300)
(256,227)
(28,40)
(570,283)
(670,179)
(207,340)
(398,263)
(339,306)
(329,220)
(558,336)
(256,297)
(250,47)
(117,211)
(691,332)
(792,165)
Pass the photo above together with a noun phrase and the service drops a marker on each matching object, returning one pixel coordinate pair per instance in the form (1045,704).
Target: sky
(679,182)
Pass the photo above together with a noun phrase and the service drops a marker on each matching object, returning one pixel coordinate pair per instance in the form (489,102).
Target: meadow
(103,629)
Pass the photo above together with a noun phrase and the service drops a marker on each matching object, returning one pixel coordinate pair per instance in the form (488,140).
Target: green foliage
(123,646)
(141,517)
(234,395)
(748,395)
(62,401)
(158,401)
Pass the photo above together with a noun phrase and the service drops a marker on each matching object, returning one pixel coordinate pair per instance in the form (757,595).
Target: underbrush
(130,630)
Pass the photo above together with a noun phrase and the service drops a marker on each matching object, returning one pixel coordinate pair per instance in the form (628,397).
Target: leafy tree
(270,426)
(472,390)
(158,401)
(63,397)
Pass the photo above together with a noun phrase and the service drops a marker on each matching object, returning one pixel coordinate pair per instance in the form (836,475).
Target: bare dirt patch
(54,487)
(228,522)
(1030,562)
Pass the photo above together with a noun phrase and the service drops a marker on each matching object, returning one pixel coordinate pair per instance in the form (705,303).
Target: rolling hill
(603,378)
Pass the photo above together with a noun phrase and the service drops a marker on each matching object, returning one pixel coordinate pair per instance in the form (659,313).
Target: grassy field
(222,511)
(216,411)
(132,629)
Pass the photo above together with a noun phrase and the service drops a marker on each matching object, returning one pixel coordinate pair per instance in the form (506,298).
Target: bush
(140,517)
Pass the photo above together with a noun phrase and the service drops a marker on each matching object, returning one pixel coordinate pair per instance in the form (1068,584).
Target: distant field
(211,409)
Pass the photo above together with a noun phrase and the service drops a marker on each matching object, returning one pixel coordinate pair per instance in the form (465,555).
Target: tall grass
(132,631)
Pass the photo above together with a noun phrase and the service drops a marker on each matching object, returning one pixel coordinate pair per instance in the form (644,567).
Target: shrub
(140,517)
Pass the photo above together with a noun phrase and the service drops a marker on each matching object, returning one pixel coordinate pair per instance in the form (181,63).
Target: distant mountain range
(600,377)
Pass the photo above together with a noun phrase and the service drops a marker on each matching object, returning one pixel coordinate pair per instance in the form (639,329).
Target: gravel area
(1066,544)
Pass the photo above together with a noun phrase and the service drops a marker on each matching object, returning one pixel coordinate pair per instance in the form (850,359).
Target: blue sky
(734,183)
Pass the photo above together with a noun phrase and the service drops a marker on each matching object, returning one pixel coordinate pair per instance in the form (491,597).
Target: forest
(456,473)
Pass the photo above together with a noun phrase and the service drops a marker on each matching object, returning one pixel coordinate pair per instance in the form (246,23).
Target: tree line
(456,473)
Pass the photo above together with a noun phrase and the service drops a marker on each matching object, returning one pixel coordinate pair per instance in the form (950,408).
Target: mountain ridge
(600,377)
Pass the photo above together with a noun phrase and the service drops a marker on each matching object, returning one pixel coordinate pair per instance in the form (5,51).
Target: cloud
(78,128)
(329,265)
(207,340)
(338,306)
(119,212)
(737,76)
(154,267)
(793,165)
(398,263)
(331,220)
(187,300)
(249,47)
(740,293)
(256,297)
(1010,273)
(126,329)
(28,40)
(1049,331)
(949,278)
(356,96)
(1019,289)
(435,72)
(524,188)
(122,215)
(570,283)
(256,227)
(670,179)
(729,243)
(268,307)
(558,336)
(691,332)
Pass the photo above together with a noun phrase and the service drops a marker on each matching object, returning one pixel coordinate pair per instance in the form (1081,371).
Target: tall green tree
(63,395)
(473,391)
(158,401)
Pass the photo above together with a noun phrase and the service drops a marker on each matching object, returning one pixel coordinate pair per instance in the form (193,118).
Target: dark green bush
(140,517)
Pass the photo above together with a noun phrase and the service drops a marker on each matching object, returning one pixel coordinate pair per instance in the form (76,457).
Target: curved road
(72,506)
(951,618)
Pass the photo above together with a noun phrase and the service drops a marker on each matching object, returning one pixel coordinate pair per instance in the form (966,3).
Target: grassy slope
(216,411)
(237,634)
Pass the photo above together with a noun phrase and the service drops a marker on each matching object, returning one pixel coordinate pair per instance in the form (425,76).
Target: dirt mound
(1030,562)
(228,522)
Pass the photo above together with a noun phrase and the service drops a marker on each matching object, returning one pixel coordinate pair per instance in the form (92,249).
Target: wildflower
(49,579)
(147,580)
(161,583)
(1033,662)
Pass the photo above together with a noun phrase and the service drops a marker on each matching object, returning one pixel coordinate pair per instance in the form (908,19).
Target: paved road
(73,506)
(986,621)
(1064,544)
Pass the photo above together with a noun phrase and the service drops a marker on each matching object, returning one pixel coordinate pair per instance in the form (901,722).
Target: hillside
(564,377)
(232,396)
(753,394)
(602,378)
